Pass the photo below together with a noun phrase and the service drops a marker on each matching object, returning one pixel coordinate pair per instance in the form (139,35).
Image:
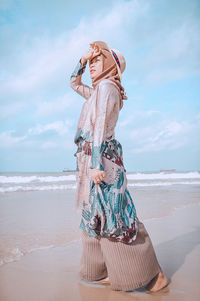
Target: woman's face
(96,66)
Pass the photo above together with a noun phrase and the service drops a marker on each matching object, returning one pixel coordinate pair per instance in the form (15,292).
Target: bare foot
(102,281)
(157,283)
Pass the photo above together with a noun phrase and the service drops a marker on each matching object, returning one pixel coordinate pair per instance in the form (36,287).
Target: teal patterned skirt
(110,210)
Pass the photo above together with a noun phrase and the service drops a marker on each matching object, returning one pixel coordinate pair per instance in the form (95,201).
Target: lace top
(99,113)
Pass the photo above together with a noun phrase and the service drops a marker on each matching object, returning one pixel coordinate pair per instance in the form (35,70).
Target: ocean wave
(166,183)
(37,188)
(16,254)
(164,176)
(74,186)
(11,256)
(35,179)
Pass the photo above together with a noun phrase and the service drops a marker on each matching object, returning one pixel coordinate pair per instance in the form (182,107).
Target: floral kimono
(107,209)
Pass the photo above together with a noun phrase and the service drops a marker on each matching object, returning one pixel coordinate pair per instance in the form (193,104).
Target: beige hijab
(109,69)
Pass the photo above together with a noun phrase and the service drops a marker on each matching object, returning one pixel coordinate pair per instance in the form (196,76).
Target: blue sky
(41,43)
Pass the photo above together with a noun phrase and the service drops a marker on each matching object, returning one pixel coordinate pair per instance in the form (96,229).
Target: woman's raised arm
(76,83)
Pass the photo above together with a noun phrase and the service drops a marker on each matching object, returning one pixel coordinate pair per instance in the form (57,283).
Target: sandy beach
(52,274)
(171,217)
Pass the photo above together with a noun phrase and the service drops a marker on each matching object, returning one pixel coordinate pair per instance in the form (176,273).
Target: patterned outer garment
(107,209)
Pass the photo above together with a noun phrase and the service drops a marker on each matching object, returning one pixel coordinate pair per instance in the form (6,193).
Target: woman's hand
(97,175)
(90,53)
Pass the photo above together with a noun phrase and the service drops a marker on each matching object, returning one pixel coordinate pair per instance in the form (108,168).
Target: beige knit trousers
(127,266)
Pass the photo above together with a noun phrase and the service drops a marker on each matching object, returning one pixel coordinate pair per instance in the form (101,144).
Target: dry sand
(52,274)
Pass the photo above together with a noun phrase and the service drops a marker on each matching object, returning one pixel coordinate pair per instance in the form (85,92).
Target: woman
(115,243)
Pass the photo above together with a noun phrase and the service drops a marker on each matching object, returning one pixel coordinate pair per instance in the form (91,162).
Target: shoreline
(55,271)
(37,220)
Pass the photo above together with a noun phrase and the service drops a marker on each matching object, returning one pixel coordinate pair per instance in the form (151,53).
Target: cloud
(49,57)
(49,144)
(66,144)
(8,140)
(57,106)
(154,131)
(152,112)
(38,64)
(136,116)
(175,56)
(160,46)
(166,135)
(60,127)
(13,109)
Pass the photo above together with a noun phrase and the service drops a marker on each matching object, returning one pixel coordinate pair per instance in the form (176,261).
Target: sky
(41,44)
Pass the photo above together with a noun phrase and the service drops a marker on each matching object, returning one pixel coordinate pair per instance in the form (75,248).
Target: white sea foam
(164,176)
(37,188)
(73,186)
(35,179)
(40,248)
(38,182)
(64,178)
(165,183)
(16,254)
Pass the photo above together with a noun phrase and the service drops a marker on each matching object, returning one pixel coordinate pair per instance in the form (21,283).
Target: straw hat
(119,60)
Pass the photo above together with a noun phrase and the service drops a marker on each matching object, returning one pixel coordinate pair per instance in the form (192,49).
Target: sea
(37,209)
(12,182)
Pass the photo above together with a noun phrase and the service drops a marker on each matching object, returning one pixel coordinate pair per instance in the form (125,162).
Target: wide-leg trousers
(127,266)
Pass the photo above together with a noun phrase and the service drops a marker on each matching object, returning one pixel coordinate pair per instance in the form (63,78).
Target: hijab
(109,69)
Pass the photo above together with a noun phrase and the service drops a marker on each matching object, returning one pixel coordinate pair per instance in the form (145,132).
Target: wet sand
(52,274)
